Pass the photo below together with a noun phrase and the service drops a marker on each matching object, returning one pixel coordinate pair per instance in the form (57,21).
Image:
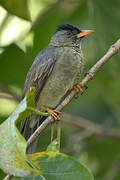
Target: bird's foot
(78,87)
(53,113)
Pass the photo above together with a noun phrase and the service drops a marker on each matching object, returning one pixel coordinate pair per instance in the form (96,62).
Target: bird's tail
(28,126)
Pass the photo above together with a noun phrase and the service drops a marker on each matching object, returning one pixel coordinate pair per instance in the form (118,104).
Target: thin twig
(112,51)
(93,128)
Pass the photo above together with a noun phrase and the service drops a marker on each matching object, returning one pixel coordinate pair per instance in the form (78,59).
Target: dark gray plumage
(54,71)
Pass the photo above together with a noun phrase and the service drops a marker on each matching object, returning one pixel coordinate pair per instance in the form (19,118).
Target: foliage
(19,8)
(100,103)
(13,159)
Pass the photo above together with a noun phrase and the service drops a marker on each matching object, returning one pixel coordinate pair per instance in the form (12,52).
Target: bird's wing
(40,71)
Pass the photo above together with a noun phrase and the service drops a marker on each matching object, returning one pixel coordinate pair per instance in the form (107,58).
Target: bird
(55,71)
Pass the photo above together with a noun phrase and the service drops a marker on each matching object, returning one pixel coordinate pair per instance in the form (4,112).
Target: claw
(53,113)
(78,87)
(85,86)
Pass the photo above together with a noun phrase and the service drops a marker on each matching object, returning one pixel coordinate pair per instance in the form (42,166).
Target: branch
(90,74)
(92,128)
(112,51)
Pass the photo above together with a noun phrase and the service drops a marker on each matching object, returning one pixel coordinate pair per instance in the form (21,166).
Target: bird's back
(67,70)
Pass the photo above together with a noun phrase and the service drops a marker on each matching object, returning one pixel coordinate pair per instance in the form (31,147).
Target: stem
(38,112)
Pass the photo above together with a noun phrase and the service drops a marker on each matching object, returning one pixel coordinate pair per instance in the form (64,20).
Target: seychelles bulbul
(55,70)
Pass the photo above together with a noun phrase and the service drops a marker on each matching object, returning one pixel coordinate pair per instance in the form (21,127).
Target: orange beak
(84,33)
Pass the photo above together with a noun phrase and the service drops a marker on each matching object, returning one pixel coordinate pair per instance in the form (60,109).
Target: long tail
(28,126)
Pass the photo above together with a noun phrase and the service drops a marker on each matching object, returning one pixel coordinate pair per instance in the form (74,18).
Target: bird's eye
(68,33)
(74,32)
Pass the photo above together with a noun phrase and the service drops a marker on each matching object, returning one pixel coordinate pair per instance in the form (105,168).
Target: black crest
(68,27)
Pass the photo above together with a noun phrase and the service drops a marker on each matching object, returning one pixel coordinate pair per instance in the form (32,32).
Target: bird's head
(68,35)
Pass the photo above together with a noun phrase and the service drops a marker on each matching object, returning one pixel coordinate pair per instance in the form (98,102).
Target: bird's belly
(60,81)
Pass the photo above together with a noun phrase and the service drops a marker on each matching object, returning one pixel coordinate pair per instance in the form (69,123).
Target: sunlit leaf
(13,159)
(18,8)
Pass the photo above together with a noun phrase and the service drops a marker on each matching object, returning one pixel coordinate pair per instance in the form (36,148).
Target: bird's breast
(68,66)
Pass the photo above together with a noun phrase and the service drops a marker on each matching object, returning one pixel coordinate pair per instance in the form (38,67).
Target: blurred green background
(26,28)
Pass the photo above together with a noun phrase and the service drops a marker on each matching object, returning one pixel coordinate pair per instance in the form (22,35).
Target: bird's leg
(52,131)
(53,113)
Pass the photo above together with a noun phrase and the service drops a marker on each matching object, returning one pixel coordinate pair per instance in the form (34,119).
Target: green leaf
(13,159)
(58,166)
(53,146)
(12,61)
(18,8)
